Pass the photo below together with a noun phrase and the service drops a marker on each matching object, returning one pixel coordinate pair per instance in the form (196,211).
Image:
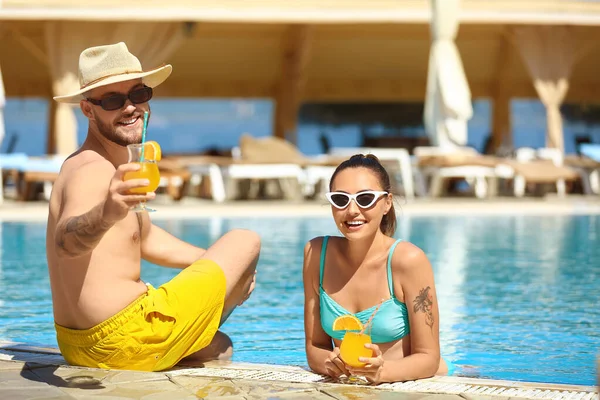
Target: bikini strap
(322,267)
(389,267)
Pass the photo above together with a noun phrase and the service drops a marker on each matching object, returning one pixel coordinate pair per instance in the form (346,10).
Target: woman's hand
(373,367)
(334,364)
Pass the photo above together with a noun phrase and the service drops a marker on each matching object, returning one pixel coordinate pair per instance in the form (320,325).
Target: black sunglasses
(364,199)
(117,101)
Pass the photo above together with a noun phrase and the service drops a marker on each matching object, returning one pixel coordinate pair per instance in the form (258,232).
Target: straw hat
(104,65)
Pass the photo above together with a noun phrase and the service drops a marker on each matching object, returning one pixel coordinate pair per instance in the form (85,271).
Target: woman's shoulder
(317,242)
(408,256)
(314,243)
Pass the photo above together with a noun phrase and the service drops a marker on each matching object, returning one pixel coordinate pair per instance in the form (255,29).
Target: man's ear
(86,108)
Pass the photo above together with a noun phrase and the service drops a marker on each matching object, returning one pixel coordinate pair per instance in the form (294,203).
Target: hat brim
(150,78)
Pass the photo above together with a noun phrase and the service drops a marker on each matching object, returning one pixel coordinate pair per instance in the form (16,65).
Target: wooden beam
(501,118)
(30,88)
(52,136)
(31,47)
(340,90)
(203,88)
(296,53)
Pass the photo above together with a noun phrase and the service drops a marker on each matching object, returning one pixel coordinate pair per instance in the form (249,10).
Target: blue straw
(144,134)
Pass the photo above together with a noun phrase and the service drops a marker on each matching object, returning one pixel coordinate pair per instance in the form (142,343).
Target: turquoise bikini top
(389,324)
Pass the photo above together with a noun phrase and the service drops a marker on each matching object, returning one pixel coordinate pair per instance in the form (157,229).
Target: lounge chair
(588,166)
(527,169)
(28,173)
(259,159)
(221,171)
(33,171)
(544,165)
(438,164)
(9,165)
(264,152)
(175,178)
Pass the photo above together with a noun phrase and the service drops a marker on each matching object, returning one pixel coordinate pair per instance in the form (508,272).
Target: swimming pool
(518,295)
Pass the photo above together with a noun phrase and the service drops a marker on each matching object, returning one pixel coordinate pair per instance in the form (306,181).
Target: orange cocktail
(148,170)
(146,156)
(353,346)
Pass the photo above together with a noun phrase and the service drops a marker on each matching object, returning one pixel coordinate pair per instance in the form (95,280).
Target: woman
(365,268)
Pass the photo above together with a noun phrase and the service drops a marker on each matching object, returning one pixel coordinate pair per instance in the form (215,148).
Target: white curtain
(448,99)
(550,53)
(152,43)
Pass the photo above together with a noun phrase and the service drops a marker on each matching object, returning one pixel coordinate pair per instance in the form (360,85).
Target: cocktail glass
(148,170)
(353,347)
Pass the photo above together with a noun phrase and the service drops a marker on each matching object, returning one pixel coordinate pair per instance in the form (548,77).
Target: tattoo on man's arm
(424,303)
(82,233)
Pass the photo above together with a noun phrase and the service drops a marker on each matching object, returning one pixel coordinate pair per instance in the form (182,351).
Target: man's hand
(119,199)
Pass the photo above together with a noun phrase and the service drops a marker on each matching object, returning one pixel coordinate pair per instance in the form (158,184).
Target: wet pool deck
(28,372)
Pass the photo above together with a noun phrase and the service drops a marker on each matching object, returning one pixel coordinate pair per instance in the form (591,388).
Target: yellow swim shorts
(158,329)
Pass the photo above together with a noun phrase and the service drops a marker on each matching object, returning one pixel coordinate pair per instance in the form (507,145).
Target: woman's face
(355,222)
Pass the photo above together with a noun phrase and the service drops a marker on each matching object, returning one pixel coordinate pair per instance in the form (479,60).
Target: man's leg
(220,348)
(237,254)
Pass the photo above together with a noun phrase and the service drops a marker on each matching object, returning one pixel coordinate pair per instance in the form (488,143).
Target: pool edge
(448,385)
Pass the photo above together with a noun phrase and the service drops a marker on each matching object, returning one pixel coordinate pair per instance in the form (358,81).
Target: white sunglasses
(363,199)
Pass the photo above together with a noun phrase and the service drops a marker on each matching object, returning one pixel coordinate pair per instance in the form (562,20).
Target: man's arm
(81,224)
(94,198)
(161,248)
(77,235)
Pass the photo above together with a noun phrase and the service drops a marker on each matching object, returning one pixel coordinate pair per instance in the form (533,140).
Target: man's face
(122,126)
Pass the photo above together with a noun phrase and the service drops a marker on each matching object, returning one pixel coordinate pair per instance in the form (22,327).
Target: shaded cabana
(310,51)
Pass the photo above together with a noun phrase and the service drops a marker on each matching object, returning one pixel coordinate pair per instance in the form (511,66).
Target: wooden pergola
(309,51)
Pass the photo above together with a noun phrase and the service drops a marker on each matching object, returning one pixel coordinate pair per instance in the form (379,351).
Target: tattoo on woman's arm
(424,303)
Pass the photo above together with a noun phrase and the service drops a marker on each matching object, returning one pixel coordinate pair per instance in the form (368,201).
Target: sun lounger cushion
(269,150)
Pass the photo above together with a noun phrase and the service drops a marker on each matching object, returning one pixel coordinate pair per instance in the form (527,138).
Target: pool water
(518,295)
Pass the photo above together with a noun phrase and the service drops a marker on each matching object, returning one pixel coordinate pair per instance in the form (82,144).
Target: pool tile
(262,389)
(22,378)
(28,375)
(7,364)
(117,377)
(351,392)
(131,390)
(313,394)
(33,393)
(67,377)
(204,387)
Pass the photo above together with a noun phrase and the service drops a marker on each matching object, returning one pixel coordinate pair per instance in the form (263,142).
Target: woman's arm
(322,357)
(412,269)
(416,277)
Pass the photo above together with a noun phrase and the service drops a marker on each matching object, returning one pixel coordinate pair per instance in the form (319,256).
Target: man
(105,316)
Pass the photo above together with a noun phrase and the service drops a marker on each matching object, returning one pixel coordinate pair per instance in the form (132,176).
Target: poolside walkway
(189,207)
(40,373)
